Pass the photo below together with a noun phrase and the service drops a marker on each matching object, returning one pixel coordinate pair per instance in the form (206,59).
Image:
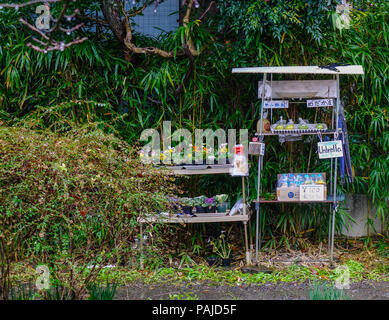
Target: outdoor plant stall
(278,95)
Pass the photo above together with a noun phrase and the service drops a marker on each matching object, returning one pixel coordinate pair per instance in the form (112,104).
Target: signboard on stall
(314,192)
(330,149)
(320,103)
(276,104)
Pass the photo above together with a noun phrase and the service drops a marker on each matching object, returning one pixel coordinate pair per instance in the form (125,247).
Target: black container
(226,262)
(212,261)
(211,209)
(200,209)
(187,210)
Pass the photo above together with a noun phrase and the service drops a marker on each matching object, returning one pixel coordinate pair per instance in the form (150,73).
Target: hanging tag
(257,148)
(330,149)
(262,149)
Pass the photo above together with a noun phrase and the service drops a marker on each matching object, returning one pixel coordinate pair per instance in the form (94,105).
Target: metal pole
(331,189)
(257,235)
(248,262)
(335,208)
(141,246)
(245,223)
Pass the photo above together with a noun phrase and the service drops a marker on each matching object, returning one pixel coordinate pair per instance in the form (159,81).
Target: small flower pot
(212,261)
(200,209)
(187,210)
(222,208)
(211,209)
(226,262)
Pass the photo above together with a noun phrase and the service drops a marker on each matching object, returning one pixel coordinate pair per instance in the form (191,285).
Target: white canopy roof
(352,69)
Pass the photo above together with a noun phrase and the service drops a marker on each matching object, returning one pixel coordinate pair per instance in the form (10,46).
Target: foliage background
(94,82)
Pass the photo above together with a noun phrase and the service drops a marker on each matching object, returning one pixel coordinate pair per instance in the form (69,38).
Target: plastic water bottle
(283,182)
(291,180)
(299,179)
(307,179)
(320,179)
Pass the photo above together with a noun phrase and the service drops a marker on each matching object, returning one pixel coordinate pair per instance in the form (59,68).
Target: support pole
(250,240)
(141,246)
(331,186)
(257,233)
(335,205)
(248,262)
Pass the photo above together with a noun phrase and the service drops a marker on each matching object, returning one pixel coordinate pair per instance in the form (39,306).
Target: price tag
(330,149)
(262,150)
(312,192)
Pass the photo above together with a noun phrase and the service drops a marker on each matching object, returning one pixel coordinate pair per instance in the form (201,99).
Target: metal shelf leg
(248,262)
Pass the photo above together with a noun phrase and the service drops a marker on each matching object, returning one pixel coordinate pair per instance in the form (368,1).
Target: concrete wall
(357,206)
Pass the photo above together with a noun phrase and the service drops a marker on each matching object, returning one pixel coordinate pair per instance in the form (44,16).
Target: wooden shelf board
(192,170)
(300,133)
(200,218)
(352,69)
(277,201)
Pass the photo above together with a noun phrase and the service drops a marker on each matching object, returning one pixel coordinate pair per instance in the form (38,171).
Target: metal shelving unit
(202,217)
(313,89)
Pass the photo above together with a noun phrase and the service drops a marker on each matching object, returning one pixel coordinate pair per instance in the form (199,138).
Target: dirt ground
(364,290)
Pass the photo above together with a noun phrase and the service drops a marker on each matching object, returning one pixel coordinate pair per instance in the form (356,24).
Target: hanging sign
(330,149)
(276,104)
(320,103)
(257,148)
(314,192)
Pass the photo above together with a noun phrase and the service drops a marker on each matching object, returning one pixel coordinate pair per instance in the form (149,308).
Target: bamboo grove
(98,81)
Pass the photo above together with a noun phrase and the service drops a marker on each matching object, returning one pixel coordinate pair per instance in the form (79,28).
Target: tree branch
(50,44)
(28,3)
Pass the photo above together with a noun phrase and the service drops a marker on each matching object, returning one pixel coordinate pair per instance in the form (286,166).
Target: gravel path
(364,290)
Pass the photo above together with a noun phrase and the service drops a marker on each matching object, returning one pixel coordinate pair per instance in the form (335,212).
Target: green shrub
(71,201)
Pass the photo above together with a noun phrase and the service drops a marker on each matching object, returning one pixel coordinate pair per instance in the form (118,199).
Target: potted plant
(222,249)
(186,205)
(210,205)
(173,203)
(223,154)
(222,204)
(197,157)
(212,260)
(198,203)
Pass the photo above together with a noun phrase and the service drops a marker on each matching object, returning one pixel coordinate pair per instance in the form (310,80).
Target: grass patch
(324,291)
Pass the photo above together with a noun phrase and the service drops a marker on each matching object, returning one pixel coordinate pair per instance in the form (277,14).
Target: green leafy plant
(100,292)
(69,203)
(221,198)
(183,296)
(199,201)
(221,247)
(322,291)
